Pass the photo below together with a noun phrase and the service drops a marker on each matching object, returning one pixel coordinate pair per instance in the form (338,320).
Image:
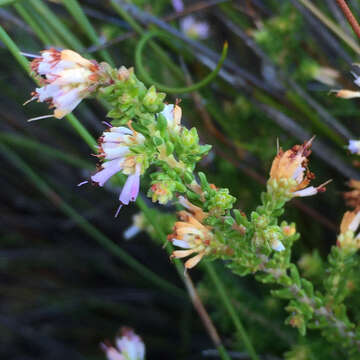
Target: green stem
(230,309)
(15,51)
(172,90)
(331,25)
(91,230)
(223,353)
(7,2)
(81,130)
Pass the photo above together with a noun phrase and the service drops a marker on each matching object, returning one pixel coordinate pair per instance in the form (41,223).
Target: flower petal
(102,176)
(131,188)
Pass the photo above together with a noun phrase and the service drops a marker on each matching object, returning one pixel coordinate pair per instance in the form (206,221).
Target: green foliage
(319,295)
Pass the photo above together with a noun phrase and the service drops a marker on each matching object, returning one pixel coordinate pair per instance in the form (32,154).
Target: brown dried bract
(352,197)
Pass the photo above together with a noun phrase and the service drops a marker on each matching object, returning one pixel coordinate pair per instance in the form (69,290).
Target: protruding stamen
(40,118)
(118,210)
(29,101)
(82,183)
(322,186)
(29,55)
(107,124)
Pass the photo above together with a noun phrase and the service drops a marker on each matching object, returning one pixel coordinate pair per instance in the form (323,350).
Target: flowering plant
(145,134)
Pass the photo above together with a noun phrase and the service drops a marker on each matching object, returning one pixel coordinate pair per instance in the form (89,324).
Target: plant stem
(331,25)
(349,16)
(230,309)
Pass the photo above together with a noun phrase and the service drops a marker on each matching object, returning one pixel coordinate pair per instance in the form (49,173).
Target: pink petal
(130,190)
(102,176)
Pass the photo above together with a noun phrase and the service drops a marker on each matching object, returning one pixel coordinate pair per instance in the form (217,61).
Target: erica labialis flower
(129,346)
(173,113)
(291,166)
(115,150)
(349,94)
(347,239)
(66,79)
(354,146)
(277,245)
(352,197)
(192,236)
(178,5)
(194,28)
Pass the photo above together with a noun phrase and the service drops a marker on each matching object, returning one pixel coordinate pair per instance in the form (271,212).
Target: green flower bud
(188,177)
(161,122)
(220,202)
(162,191)
(157,141)
(189,138)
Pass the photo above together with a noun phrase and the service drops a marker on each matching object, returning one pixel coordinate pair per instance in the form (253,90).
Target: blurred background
(68,277)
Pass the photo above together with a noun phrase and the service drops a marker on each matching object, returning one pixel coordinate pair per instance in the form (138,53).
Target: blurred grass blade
(56,25)
(331,25)
(93,232)
(35,25)
(78,14)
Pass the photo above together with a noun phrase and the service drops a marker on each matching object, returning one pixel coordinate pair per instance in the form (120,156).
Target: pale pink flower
(194,28)
(354,146)
(293,165)
(178,5)
(67,78)
(193,237)
(115,148)
(128,347)
(277,245)
(172,113)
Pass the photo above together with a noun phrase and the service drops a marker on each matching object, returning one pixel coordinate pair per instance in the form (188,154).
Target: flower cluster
(145,134)
(191,235)
(129,346)
(349,94)
(155,136)
(354,145)
(290,174)
(67,78)
(115,150)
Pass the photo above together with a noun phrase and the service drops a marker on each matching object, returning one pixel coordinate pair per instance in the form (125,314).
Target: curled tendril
(171,90)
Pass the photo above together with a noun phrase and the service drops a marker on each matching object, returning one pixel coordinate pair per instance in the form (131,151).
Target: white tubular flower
(277,245)
(292,165)
(115,147)
(350,221)
(173,113)
(348,239)
(354,146)
(192,236)
(67,78)
(138,225)
(194,29)
(128,347)
(349,94)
